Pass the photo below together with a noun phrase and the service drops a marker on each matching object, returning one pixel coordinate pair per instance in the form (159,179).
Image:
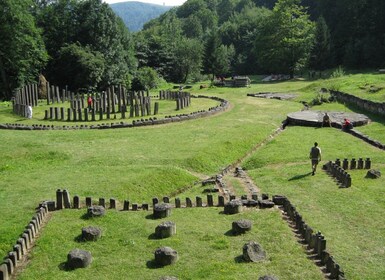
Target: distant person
(347,125)
(315,156)
(326,120)
(29,111)
(89,102)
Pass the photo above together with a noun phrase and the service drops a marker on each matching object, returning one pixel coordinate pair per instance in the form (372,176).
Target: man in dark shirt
(315,156)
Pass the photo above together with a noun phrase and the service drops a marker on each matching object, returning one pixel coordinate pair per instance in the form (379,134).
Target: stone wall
(367,105)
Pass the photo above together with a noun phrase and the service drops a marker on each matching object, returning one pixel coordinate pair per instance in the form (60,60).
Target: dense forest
(84,45)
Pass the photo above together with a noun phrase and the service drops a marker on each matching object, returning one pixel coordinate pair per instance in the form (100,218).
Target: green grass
(205,246)
(344,216)
(140,163)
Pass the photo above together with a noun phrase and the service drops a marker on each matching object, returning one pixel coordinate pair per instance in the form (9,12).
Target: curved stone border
(223,106)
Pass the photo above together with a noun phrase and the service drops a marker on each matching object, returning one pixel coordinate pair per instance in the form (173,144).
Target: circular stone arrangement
(315,118)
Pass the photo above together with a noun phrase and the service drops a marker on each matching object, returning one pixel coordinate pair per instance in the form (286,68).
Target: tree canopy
(22,50)
(82,43)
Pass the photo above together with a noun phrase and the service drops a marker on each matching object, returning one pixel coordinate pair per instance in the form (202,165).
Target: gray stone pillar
(221,201)
(368,163)
(66,199)
(62,117)
(177,203)
(199,202)
(88,201)
(345,164)
(112,203)
(86,114)
(76,202)
(188,202)
(353,164)
(210,201)
(102,202)
(156,108)
(126,205)
(360,163)
(59,199)
(155,201)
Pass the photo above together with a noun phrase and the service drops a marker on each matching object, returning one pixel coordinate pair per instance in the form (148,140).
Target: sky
(159,2)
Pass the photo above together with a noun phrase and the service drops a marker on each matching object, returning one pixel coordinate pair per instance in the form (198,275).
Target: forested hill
(136,14)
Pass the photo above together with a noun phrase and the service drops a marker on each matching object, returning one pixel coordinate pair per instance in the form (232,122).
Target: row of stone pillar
(63,114)
(23,244)
(315,241)
(183,100)
(359,164)
(20,110)
(168,95)
(27,95)
(63,200)
(342,176)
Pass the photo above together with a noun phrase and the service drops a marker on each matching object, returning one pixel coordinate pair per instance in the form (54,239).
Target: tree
(188,59)
(240,31)
(94,25)
(284,41)
(146,78)
(320,57)
(22,51)
(217,56)
(83,68)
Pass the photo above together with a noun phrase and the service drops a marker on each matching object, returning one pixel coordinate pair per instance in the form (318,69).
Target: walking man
(315,156)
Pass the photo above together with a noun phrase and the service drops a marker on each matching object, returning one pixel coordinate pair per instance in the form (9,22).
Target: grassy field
(140,163)
(205,246)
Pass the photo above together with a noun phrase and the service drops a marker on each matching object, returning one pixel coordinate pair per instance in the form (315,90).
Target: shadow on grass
(85,216)
(239,259)
(298,177)
(150,217)
(64,267)
(79,239)
(153,236)
(153,265)
(230,233)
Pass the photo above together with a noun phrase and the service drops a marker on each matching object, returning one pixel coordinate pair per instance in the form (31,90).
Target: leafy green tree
(320,57)
(284,42)
(188,59)
(190,7)
(145,78)
(240,31)
(83,67)
(192,27)
(217,56)
(22,51)
(225,10)
(94,25)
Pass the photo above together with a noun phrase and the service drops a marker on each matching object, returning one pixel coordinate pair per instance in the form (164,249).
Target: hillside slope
(136,14)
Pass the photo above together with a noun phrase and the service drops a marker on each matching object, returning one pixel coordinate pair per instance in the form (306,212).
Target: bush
(146,78)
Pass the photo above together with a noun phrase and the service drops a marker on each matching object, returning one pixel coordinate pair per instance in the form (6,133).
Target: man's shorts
(314,161)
